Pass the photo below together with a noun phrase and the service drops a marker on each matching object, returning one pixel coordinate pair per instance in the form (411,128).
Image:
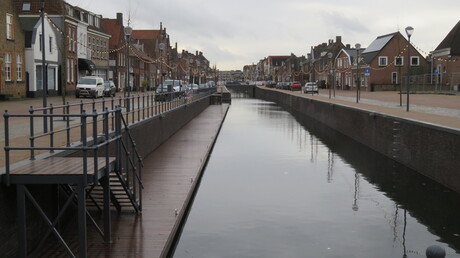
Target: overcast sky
(233,33)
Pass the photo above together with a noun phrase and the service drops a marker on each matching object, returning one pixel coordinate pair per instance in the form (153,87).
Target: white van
(90,86)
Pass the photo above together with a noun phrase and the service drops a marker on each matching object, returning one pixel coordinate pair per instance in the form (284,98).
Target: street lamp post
(357,46)
(329,55)
(409,31)
(128,31)
(161,46)
(44,81)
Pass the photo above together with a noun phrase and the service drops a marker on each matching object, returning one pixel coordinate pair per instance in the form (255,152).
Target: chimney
(201,53)
(161,26)
(338,39)
(120,18)
(196,53)
(348,46)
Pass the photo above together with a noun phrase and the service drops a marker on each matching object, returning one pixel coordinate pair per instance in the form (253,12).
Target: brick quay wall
(429,149)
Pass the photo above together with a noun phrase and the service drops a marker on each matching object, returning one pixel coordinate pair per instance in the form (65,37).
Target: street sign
(436,71)
(367,71)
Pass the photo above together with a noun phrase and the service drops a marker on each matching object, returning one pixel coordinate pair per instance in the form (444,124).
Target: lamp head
(358,46)
(162,46)
(409,31)
(329,54)
(128,30)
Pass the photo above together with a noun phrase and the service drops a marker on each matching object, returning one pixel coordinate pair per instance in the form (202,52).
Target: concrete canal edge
(429,149)
(182,216)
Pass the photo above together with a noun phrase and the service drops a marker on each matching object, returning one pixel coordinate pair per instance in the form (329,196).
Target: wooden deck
(71,168)
(170,176)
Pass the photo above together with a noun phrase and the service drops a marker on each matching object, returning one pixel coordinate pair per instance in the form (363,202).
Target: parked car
(271,84)
(310,87)
(90,86)
(109,89)
(296,86)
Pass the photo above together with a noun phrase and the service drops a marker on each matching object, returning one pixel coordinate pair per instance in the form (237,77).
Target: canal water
(277,185)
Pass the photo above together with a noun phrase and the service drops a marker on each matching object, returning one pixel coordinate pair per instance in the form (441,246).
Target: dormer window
(26,7)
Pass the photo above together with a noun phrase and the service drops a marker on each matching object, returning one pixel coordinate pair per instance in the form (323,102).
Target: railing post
(138,108)
(132,110)
(51,128)
(143,107)
(94,104)
(118,115)
(106,180)
(81,107)
(31,138)
(84,143)
(95,140)
(7,145)
(68,125)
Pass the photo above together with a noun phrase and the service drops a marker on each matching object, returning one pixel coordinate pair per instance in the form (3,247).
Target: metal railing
(61,124)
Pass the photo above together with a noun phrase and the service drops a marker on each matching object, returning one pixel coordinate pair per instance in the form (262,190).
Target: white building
(33,59)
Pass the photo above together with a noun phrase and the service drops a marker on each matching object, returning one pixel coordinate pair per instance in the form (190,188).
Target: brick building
(12,56)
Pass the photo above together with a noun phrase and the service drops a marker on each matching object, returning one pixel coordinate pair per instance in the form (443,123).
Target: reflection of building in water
(330,165)
(355,202)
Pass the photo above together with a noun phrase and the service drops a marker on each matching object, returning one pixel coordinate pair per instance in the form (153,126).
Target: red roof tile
(146,34)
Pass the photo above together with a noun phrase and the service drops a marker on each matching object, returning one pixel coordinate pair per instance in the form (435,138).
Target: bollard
(435,251)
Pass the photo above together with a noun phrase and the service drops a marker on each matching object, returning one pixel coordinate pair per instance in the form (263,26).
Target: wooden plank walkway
(169,176)
(58,166)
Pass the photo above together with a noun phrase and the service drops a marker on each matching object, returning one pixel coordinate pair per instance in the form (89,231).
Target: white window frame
(402,60)
(9,27)
(381,58)
(414,58)
(7,67)
(395,81)
(19,68)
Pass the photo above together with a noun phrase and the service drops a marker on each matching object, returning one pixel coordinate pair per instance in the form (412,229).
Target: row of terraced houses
(383,65)
(79,42)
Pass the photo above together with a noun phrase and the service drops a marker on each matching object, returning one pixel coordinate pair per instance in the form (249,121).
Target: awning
(86,64)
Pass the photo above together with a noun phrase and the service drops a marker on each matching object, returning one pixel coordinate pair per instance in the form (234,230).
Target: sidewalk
(443,110)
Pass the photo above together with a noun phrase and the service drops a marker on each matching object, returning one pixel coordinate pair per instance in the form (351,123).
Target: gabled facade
(387,58)
(320,63)
(33,54)
(446,60)
(117,48)
(12,57)
(345,68)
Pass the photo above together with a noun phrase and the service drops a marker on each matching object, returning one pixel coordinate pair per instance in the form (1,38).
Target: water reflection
(279,185)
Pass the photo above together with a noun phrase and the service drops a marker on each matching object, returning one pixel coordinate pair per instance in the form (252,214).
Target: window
(18,68)
(68,70)
(383,61)
(414,61)
(69,36)
(51,44)
(71,70)
(9,27)
(399,61)
(40,42)
(394,77)
(7,67)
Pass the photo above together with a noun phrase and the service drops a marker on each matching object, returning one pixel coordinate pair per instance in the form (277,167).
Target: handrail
(84,147)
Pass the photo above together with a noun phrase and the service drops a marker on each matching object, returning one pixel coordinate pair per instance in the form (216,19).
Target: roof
(379,43)
(452,41)
(145,34)
(111,27)
(51,6)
